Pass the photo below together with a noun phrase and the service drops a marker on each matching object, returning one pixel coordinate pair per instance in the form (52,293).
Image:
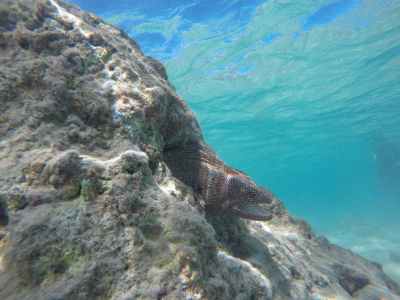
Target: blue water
(302,95)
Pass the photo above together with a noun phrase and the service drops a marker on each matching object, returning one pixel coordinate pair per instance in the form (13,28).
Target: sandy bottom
(378,246)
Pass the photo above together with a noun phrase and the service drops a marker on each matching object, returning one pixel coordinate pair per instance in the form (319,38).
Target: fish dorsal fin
(236,172)
(202,153)
(207,155)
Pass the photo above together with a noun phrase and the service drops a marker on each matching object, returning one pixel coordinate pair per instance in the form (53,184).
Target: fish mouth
(252,211)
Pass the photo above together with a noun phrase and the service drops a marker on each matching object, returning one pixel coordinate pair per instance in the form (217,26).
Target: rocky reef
(90,210)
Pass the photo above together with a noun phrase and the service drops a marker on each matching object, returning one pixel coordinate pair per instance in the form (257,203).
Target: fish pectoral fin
(252,212)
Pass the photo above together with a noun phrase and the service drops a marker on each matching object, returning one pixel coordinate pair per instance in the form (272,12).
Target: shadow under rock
(235,238)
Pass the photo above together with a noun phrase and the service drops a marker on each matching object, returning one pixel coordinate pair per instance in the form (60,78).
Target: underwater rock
(350,280)
(90,207)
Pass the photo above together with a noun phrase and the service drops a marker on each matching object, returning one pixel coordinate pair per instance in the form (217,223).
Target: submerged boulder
(90,210)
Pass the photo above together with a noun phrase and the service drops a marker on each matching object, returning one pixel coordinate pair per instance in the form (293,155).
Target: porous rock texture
(88,208)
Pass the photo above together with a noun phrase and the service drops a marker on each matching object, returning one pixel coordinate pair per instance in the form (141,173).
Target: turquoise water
(302,95)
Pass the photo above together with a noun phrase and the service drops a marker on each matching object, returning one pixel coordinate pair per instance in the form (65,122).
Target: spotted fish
(221,186)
